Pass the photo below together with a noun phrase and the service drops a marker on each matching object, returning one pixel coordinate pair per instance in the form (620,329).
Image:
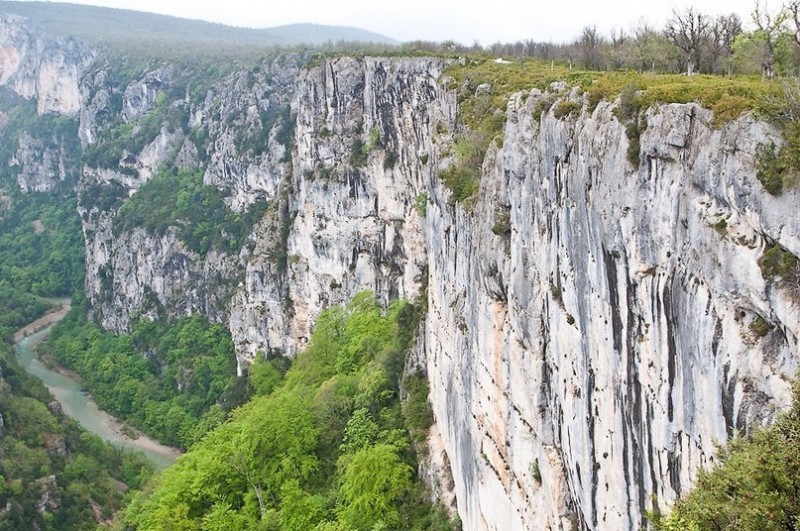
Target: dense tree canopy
(326,448)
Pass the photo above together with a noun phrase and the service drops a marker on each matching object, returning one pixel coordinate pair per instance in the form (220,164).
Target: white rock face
(41,167)
(606,344)
(353,225)
(41,67)
(244,116)
(581,363)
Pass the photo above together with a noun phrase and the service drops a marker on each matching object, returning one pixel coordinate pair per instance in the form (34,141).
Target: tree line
(690,41)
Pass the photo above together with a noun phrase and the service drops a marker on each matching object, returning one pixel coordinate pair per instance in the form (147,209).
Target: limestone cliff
(592,326)
(45,71)
(605,342)
(582,361)
(41,67)
(230,129)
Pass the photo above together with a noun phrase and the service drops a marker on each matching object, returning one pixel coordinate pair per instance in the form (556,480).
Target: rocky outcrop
(248,121)
(42,67)
(151,276)
(41,165)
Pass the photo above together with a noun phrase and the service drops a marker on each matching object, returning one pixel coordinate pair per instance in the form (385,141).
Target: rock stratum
(592,326)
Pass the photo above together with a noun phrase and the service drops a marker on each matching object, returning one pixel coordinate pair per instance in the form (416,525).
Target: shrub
(421,204)
(760,326)
(463,182)
(721,227)
(567,108)
(358,153)
(502,222)
(536,472)
(543,106)
(777,262)
(417,411)
(628,112)
(729,108)
(463,178)
(770,168)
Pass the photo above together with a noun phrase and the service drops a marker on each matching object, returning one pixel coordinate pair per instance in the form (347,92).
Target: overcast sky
(461,20)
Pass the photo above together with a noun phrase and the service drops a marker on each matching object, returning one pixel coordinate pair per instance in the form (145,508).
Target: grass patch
(728,97)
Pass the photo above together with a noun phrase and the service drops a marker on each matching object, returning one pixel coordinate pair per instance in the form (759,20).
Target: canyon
(593,326)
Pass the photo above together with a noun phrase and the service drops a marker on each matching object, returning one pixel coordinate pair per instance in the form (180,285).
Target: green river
(80,406)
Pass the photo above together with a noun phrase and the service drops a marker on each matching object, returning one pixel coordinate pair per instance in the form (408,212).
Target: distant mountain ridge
(110,25)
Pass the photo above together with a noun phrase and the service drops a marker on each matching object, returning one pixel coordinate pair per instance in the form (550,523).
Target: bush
(760,326)
(463,177)
(421,204)
(567,108)
(628,112)
(770,168)
(502,222)
(777,262)
(462,182)
(417,412)
(729,108)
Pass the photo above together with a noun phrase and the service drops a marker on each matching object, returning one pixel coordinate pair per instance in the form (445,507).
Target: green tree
(373,484)
(360,432)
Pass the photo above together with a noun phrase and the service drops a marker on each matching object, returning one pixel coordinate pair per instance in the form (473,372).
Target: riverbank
(67,390)
(48,319)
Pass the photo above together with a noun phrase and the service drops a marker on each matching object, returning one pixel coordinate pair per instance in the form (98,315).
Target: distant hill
(107,25)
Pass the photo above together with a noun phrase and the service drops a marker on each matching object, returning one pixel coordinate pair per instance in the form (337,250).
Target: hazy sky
(461,20)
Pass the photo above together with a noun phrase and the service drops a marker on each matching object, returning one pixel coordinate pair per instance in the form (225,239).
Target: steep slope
(592,326)
(607,343)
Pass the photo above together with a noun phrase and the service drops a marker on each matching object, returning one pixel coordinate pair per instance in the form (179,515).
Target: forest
(329,445)
(174,381)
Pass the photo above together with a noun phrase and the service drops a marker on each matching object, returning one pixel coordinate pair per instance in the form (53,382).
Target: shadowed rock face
(582,362)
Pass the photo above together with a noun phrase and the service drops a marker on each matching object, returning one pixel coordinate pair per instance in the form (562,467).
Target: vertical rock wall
(592,327)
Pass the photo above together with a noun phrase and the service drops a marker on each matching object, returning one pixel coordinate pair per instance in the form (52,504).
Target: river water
(81,407)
